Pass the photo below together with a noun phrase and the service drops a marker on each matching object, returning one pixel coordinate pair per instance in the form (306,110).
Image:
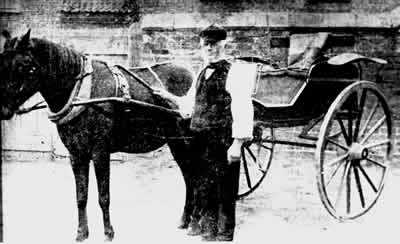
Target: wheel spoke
(373,129)
(263,146)
(260,168)
(333,162)
(377,144)
(337,160)
(348,187)
(359,115)
(350,127)
(370,115)
(246,169)
(345,135)
(359,186)
(377,163)
(251,154)
(334,135)
(367,178)
(341,186)
(337,144)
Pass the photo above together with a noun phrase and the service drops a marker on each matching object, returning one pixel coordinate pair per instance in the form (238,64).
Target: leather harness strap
(121,83)
(81,90)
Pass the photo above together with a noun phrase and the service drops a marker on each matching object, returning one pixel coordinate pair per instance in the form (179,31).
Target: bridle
(33,63)
(14,86)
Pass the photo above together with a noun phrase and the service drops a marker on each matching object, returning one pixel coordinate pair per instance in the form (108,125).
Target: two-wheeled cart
(346,119)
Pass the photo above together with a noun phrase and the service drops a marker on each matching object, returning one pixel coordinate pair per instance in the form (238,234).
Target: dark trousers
(217,183)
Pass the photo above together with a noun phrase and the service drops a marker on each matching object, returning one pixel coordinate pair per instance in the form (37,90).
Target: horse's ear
(6,34)
(25,40)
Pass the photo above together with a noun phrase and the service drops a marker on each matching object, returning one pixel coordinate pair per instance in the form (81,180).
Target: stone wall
(167,30)
(96,34)
(91,33)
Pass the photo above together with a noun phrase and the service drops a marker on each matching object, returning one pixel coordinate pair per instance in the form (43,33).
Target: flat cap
(213,34)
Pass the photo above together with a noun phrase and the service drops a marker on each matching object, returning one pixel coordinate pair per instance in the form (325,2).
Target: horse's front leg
(181,155)
(101,159)
(80,167)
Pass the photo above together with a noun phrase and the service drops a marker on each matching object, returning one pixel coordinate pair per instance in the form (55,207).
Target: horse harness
(82,90)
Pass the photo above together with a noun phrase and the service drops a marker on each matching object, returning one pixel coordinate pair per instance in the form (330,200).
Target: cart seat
(280,86)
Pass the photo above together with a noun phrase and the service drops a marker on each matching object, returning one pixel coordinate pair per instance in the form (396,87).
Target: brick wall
(167,30)
(365,27)
(178,6)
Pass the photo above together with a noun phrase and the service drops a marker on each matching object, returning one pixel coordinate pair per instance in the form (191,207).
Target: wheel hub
(357,151)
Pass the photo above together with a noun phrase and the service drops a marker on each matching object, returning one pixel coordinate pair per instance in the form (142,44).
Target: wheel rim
(256,159)
(352,165)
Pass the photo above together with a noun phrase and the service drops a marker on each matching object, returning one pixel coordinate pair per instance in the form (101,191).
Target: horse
(29,65)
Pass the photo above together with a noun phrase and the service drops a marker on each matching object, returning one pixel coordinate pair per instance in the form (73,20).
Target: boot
(194,228)
(209,229)
(225,236)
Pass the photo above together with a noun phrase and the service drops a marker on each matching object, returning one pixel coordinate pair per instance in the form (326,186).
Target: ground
(147,196)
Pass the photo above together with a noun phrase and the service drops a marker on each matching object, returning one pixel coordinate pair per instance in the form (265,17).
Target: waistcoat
(212,109)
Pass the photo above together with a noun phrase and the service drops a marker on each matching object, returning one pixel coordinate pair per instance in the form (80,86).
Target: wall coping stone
(390,19)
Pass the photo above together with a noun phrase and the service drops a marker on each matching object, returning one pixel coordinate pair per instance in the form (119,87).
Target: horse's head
(19,72)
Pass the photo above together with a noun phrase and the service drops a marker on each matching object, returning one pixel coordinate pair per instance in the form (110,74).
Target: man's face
(212,51)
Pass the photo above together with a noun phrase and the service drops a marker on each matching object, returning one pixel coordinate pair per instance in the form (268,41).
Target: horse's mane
(57,59)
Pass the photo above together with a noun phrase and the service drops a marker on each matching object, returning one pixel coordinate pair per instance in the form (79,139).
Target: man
(221,111)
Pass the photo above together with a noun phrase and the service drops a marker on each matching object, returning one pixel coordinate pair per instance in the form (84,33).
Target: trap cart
(346,119)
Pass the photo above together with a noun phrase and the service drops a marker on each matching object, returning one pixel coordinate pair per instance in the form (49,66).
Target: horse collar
(81,90)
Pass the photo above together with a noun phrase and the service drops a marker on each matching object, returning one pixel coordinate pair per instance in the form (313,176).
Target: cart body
(352,118)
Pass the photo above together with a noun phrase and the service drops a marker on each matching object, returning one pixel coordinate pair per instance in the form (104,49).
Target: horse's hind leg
(101,159)
(80,167)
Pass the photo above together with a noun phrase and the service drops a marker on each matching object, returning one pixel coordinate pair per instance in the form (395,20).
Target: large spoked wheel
(255,160)
(353,151)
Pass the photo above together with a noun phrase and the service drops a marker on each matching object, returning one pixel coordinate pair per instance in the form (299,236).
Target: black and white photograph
(195,121)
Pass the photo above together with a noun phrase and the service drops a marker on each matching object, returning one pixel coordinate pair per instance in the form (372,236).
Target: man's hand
(164,94)
(234,150)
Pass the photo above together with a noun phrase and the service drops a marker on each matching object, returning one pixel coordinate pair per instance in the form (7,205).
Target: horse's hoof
(109,234)
(82,235)
(184,223)
(183,226)
(194,229)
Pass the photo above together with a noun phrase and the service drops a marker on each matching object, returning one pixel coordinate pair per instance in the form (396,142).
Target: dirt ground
(147,195)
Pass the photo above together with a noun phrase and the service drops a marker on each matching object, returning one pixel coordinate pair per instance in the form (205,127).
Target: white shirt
(239,83)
